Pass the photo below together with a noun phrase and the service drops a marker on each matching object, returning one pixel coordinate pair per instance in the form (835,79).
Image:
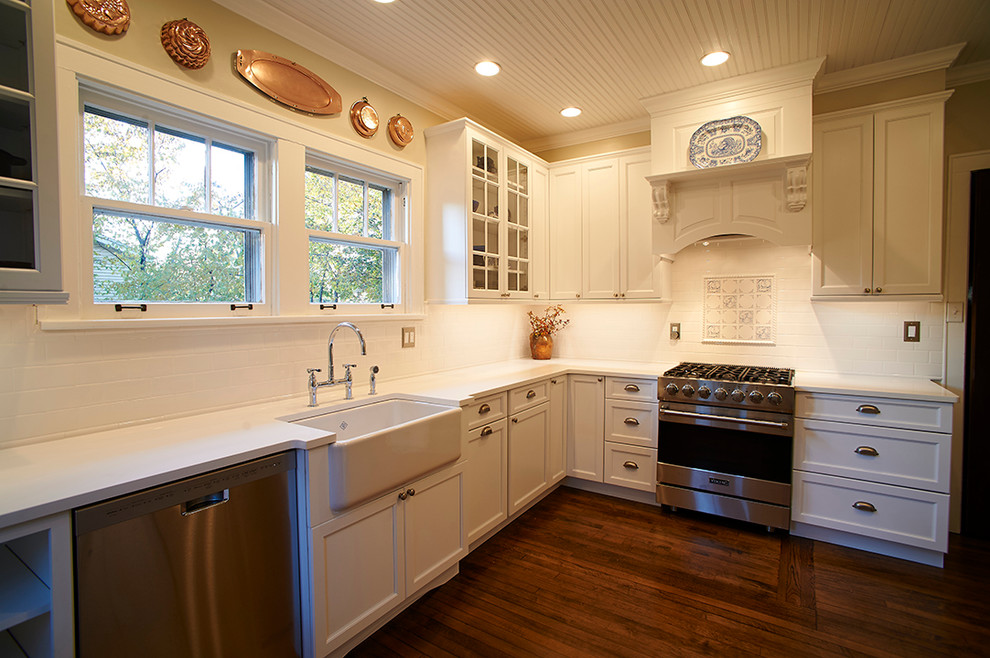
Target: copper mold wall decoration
(186,43)
(400,130)
(364,118)
(287,82)
(107,16)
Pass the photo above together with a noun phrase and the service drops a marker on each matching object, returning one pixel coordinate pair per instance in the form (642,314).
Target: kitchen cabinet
(873,473)
(485,466)
(877,202)
(586,427)
(486,216)
(30,259)
(631,426)
(600,209)
(529,444)
(36,617)
(367,561)
(558,429)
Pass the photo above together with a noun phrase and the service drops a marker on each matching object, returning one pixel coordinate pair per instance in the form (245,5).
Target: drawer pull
(863,506)
(867,450)
(631,465)
(868,409)
(631,421)
(484,409)
(531,394)
(486,431)
(632,388)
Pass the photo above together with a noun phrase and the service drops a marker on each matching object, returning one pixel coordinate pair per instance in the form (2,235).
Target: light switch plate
(954,312)
(675,331)
(409,336)
(912,332)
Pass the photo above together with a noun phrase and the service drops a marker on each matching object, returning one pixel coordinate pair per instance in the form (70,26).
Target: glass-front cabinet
(503,212)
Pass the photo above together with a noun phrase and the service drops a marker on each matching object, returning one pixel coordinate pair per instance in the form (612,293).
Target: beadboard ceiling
(603,55)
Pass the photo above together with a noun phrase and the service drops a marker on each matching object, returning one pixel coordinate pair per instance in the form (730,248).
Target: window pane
(350,196)
(350,274)
(137,258)
(15,139)
(117,157)
(180,168)
(379,207)
(232,181)
(13,48)
(17,228)
(320,199)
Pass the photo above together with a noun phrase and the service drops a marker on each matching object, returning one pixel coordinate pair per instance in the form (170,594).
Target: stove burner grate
(730,373)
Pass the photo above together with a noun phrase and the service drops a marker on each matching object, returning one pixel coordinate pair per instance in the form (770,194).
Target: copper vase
(540,346)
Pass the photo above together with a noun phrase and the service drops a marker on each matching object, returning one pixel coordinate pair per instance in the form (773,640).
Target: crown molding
(258,11)
(968,74)
(595,134)
(931,60)
(740,86)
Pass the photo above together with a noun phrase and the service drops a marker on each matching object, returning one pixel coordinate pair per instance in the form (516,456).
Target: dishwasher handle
(204,503)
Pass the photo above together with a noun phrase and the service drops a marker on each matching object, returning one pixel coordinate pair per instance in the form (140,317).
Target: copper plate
(287,82)
(364,118)
(186,43)
(400,130)
(107,16)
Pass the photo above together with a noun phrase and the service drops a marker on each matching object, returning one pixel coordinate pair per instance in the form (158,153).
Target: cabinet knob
(631,465)
(615,294)
(486,431)
(553,381)
(403,495)
(879,290)
(867,290)
(515,420)
(599,379)
(868,409)
(631,421)
(411,492)
(577,294)
(531,394)
(622,294)
(867,451)
(864,506)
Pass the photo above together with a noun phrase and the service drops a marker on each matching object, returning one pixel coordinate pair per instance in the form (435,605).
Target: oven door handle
(730,419)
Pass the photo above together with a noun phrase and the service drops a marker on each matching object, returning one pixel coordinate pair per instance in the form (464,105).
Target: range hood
(766,197)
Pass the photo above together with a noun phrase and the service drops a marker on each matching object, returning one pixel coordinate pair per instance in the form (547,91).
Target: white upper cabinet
(877,201)
(486,216)
(601,229)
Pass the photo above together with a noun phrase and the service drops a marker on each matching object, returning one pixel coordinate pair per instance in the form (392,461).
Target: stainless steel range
(725,444)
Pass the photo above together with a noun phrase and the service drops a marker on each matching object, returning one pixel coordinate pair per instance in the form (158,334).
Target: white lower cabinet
(485,479)
(586,427)
(558,429)
(529,467)
(631,466)
(369,560)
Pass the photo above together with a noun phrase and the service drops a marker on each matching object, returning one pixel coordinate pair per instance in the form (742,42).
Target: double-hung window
(178,207)
(354,222)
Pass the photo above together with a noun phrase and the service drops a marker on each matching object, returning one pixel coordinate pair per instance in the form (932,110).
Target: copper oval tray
(287,82)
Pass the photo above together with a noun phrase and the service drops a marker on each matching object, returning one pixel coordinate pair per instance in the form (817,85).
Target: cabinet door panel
(528,433)
(639,273)
(558,429)
(485,473)
(586,427)
(907,217)
(565,233)
(842,180)
(601,229)
(435,538)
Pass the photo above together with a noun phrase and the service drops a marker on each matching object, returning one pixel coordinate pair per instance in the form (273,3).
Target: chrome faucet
(330,381)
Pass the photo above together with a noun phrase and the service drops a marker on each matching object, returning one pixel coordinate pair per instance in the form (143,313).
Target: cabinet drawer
(632,467)
(485,410)
(906,516)
(632,423)
(631,388)
(886,412)
(892,456)
(528,396)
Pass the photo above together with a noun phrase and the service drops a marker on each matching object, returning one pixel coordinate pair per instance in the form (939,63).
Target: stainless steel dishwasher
(202,567)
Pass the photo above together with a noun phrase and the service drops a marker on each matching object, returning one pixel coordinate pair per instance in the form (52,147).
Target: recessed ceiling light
(487,68)
(385,2)
(715,58)
(570,111)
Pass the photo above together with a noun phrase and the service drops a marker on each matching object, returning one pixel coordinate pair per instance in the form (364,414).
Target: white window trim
(289,291)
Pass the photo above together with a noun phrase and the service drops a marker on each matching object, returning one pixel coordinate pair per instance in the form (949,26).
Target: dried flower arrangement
(549,323)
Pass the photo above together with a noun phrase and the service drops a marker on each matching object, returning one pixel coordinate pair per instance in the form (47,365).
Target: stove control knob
(721,394)
(687,390)
(704,392)
(671,389)
(738,396)
(755,397)
(774,398)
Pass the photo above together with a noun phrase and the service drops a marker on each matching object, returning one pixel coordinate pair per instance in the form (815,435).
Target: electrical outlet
(675,331)
(409,336)
(912,332)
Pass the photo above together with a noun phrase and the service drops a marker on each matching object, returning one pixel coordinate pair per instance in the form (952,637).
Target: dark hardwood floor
(587,575)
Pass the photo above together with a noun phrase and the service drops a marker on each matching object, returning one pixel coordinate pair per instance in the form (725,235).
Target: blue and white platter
(725,142)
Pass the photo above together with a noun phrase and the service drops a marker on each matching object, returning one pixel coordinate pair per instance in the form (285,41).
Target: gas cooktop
(727,373)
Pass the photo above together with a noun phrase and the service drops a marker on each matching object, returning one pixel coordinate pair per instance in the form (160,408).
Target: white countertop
(53,476)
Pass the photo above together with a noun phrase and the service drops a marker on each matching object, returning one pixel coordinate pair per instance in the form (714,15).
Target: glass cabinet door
(518,227)
(486,250)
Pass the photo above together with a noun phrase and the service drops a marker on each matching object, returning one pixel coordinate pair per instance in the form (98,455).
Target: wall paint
(631,141)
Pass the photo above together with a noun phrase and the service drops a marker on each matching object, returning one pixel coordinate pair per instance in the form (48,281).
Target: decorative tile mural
(740,309)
